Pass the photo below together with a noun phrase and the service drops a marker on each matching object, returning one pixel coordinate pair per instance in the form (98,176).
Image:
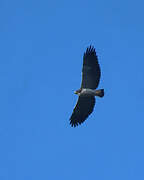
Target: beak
(75,92)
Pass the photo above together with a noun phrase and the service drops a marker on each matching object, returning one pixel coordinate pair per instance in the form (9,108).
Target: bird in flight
(86,94)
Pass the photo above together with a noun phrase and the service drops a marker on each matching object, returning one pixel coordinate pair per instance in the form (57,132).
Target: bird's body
(89,92)
(90,79)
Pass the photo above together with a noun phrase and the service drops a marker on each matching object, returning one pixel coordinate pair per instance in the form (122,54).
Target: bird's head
(78,92)
(75,92)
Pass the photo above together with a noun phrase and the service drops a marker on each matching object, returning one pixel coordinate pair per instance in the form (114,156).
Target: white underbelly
(88,92)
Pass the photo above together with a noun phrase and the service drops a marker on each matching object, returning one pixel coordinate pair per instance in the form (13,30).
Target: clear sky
(41,49)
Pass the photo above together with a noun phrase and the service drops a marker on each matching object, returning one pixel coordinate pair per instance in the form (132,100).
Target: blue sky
(42,45)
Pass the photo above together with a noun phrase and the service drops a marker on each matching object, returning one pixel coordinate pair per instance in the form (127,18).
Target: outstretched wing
(91,69)
(82,110)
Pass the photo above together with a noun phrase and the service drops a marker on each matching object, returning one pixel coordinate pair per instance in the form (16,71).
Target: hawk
(86,94)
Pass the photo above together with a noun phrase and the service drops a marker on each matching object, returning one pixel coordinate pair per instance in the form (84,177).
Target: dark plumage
(91,70)
(81,112)
(90,79)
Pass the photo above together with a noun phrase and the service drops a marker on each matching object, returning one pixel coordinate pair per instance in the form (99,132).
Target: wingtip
(73,124)
(90,49)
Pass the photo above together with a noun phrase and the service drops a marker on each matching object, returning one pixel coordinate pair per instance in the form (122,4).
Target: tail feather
(100,92)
